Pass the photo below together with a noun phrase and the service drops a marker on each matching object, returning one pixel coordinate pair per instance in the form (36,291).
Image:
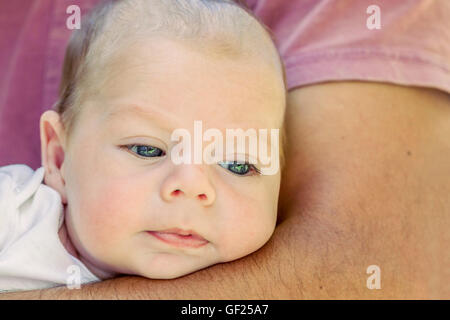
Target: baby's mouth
(180,238)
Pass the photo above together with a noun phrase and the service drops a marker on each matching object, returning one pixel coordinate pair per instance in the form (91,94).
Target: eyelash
(252,169)
(130,146)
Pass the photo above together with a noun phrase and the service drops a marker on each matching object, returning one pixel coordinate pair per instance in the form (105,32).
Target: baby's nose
(201,196)
(188,182)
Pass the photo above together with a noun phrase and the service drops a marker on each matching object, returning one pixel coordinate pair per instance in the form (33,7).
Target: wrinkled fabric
(328,40)
(31,253)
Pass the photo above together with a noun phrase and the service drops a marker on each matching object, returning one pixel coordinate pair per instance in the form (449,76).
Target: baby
(109,200)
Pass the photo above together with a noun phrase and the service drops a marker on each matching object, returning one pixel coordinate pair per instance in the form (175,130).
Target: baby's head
(136,71)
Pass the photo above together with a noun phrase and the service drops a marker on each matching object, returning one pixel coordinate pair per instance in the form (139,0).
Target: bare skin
(367,183)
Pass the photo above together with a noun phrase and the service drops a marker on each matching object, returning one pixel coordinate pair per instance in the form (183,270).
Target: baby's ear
(53,151)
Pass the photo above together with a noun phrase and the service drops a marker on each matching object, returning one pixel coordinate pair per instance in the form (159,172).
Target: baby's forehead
(179,79)
(164,50)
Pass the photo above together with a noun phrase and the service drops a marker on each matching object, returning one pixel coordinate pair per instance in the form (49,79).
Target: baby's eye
(239,168)
(146,151)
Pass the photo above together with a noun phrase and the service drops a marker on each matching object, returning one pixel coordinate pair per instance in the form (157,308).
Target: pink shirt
(319,40)
(328,40)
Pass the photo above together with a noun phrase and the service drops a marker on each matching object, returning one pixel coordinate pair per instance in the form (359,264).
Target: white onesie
(31,253)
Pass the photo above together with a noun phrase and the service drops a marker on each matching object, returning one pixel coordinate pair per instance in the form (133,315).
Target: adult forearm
(295,264)
(266,274)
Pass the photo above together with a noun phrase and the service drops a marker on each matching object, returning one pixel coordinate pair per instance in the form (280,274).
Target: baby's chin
(170,266)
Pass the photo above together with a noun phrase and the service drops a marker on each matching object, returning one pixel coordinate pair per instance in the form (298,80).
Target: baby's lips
(183,233)
(180,238)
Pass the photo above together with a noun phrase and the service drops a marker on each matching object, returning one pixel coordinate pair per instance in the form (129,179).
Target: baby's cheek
(248,229)
(108,216)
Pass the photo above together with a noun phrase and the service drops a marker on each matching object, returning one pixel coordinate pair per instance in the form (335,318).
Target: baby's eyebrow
(150,114)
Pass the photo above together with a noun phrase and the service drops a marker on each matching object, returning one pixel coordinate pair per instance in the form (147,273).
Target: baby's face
(122,185)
